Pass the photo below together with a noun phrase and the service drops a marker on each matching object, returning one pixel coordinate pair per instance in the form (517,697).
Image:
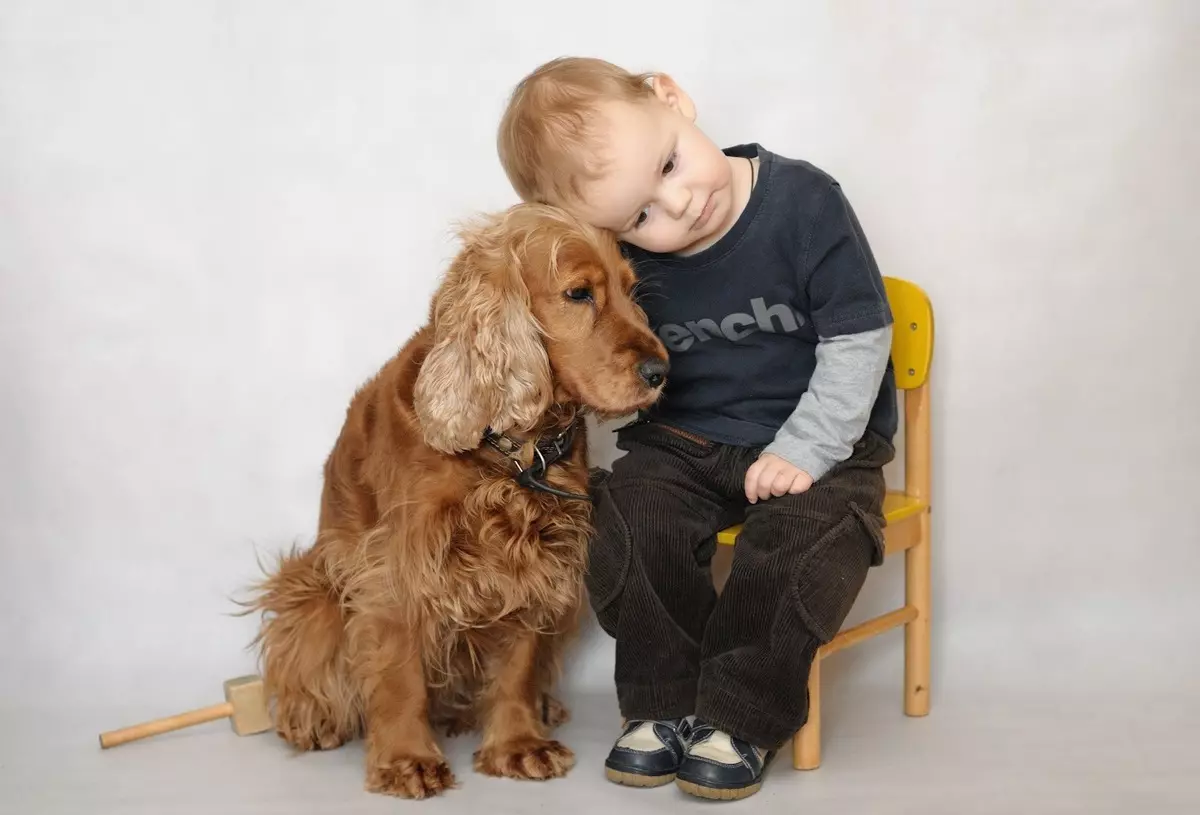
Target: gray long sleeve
(833,412)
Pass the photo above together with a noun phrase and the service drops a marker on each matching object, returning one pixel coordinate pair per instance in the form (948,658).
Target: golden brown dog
(447,570)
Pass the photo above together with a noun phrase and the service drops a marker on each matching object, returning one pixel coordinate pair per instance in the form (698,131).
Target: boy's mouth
(706,213)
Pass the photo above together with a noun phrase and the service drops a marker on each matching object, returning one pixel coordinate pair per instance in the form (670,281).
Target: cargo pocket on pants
(609,552)
(828,577)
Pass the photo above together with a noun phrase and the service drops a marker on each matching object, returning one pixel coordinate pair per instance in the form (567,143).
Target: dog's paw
(310,732)
(554,712)
(531,758)
(422,777)
(326,739)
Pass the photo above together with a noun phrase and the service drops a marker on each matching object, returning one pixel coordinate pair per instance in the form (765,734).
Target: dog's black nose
(653,371)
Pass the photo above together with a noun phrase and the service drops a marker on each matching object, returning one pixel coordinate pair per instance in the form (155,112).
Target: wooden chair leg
(916,633)
(806,745)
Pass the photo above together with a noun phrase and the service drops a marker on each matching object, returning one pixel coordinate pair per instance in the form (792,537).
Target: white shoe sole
(717,794)
(637,779)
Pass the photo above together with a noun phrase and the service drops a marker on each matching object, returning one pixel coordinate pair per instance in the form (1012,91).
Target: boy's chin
(697,244)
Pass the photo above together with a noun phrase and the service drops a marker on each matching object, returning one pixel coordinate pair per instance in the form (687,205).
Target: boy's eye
(669,167)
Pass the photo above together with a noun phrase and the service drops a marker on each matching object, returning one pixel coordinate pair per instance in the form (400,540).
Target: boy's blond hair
(547,129)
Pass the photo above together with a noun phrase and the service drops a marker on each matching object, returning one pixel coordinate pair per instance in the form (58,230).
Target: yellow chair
(907,530)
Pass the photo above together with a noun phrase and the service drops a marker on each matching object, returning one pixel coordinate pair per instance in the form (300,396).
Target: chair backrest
(912,334)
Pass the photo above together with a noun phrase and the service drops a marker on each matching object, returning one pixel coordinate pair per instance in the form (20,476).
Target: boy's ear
(671,95)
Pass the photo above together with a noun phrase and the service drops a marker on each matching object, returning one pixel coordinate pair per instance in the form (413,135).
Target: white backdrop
(217,218)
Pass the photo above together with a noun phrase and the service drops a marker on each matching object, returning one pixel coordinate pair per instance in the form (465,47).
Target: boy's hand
(771,475)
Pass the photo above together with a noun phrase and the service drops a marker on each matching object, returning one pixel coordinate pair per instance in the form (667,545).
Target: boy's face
(665,186)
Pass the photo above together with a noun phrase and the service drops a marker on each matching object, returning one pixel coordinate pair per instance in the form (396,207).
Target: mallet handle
(165,725)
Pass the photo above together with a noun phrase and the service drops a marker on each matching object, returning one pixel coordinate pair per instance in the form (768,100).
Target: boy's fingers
(752,481)
(767,478)
(758,481)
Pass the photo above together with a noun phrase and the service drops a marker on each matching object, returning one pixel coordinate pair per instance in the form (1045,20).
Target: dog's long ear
(488,366)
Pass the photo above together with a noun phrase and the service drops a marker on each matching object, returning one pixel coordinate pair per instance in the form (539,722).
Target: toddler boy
(780,409)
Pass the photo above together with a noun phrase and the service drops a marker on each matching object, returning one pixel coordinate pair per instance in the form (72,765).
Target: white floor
(1030,755)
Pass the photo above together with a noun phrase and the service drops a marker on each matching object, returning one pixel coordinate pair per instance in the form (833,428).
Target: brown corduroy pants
(740,662)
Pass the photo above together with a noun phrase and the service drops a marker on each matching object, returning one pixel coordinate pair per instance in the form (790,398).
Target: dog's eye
(580,295)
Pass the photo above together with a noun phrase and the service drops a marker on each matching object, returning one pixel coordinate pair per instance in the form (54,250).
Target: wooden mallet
(245,705)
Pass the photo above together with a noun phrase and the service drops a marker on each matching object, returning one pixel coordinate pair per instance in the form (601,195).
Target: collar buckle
(546,452)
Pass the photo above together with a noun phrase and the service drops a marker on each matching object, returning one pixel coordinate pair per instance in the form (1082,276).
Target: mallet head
(249,700)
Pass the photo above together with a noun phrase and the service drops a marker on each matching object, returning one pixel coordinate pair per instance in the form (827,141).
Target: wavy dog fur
(439,594)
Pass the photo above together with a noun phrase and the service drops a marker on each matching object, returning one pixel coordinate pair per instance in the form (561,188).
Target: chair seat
(896,507)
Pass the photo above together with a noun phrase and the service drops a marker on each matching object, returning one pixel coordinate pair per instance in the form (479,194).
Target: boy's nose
(678,201)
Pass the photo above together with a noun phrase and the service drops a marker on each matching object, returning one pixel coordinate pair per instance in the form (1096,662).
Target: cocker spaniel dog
(447,571)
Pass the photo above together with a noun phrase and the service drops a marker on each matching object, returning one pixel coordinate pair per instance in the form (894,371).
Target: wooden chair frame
(907,529)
